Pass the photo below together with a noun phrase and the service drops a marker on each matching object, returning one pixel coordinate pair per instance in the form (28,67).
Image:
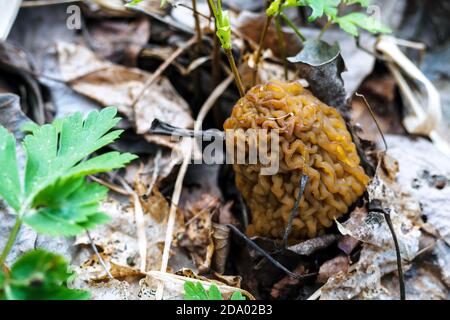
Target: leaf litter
(356,261)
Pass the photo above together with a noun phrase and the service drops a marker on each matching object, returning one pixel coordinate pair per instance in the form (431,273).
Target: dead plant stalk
(180,178)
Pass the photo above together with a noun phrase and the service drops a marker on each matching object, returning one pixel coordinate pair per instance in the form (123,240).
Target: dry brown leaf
(118,241)
(331,267)
(114,85)
(378,256)
(119,40)
(197,238)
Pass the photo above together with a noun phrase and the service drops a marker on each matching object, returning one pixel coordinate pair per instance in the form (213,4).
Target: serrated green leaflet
(237,295)
(56,199)
(67,208)
(9,173)
(54,152)
(39,275)
(196,291)
(350,23)
(214,293)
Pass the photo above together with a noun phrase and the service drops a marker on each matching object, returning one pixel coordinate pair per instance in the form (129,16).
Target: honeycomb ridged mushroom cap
(313,140)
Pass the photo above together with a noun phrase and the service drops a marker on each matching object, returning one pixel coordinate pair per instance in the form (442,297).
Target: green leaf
(352,21)
(39,275)
(53,151)
(237,295)
(273,8)
(362,3)
(67,208)
(321,7)
(223,24)
(214,293)
(10,189)
(196,291)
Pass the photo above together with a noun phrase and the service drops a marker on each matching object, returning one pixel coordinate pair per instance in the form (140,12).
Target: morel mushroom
(313,140)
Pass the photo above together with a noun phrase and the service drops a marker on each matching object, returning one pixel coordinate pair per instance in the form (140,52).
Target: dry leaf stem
(260,47)
(180,178)
(148,83)
(140,225)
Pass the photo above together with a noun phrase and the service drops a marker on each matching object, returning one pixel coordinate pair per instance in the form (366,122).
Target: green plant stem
(325,28)
(282,45)
(234,69)
(260,47)
(293,27)
(11,240)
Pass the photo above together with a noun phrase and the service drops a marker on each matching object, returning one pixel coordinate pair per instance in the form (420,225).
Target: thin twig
(375,205)
(110,186)
(401,277)
(325,28)
(303,181)
(267,255)
(194,11)
(244,211)
(257,58)
(234,69)
(99,257)
(180,178)
(155,75)
(374,119)
(293,27)
(198,29)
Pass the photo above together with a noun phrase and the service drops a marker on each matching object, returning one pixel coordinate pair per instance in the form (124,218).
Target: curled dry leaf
(233,281)
(332,267)
(311,246)
(425,174)
(112,84)
(174,290)
(321,65)
(197,238)
(363,283)
(378,256)
(422,284)
(114,290)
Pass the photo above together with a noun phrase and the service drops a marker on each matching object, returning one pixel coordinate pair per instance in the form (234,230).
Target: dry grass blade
(99,257)
(181,174)
(140,225)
